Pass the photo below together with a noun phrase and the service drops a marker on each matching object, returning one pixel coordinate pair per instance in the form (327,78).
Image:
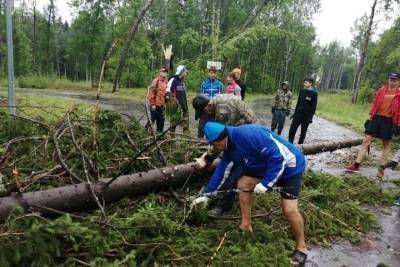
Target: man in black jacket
(305,109)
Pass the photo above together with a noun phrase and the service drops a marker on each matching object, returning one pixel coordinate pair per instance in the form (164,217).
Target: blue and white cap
(180,69)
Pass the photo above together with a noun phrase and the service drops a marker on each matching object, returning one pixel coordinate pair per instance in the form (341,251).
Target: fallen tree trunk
(309,149)
(79,196)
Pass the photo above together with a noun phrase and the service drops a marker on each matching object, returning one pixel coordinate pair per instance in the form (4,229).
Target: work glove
(153,108)
(201,162)
(272,111)
(199,200)
(260,189)
(287,112)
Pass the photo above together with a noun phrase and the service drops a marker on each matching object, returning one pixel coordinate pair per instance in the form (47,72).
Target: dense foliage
(149,231)
(271,41)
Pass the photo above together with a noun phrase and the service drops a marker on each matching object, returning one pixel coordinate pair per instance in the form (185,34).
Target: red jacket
(156,92)
(377,101)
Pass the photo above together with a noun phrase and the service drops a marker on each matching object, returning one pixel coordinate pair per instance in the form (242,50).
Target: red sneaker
(353,168)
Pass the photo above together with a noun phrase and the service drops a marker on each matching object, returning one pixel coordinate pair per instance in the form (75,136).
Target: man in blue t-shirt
(266,159)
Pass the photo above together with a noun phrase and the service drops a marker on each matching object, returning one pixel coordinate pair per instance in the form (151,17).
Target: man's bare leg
(290,208)
(245,201)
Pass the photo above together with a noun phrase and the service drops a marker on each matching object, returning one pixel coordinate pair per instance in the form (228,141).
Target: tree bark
(79,196)
(309,149)
(357,78)
(124,53)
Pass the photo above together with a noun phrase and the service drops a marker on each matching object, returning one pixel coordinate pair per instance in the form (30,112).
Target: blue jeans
(227,199)
(278,119)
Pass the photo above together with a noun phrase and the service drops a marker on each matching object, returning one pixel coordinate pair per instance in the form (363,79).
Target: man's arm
(202,88)
(151,93)
(217,179)
(298,100)
(289,102)
(315,102)
(313,107)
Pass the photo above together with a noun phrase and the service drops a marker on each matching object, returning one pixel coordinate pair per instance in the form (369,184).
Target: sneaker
(397,202)
(391,164)
(216,212)
(353,168)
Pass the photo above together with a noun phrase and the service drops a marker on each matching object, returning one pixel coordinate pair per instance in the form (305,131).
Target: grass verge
(337,107)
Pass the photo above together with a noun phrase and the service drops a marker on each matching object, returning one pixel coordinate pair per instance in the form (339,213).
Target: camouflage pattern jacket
(231,110)
(283,100)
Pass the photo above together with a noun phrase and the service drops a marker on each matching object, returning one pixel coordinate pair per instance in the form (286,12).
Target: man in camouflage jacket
(281,107)
(229,110)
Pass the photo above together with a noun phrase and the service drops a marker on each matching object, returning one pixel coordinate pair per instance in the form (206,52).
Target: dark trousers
(278,120)
(158,117)
(227,199)
(299,119)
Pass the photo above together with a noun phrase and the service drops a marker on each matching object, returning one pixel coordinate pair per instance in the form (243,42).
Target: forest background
(271,41)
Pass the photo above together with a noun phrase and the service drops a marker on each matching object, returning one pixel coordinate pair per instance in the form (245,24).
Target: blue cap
(180,69)
(213,130)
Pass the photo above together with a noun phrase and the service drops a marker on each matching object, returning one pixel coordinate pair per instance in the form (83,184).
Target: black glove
(272,110)
(287,112)
(396,130)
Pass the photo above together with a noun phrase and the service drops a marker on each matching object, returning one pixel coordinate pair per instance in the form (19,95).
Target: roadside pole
(10,59)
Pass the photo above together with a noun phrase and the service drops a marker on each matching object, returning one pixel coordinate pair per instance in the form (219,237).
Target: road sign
(216,64)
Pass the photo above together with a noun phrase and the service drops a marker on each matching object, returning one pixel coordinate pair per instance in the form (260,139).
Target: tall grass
(42,82)
(337,107)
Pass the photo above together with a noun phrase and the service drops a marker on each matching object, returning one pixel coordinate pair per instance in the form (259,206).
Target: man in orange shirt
(156,98)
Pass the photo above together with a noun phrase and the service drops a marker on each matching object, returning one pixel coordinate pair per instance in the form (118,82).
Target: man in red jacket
(156,98)
(384,117)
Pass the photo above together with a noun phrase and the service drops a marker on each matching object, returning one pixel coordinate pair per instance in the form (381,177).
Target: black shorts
(380,127)
(290,187)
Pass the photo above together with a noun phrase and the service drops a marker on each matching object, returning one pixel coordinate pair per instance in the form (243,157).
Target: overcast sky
(338,16)
(333,23)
